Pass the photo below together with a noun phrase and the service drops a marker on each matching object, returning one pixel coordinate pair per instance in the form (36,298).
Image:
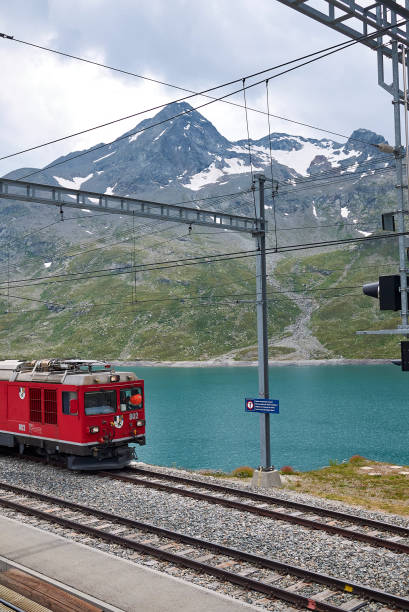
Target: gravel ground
(319,502)
(317,551)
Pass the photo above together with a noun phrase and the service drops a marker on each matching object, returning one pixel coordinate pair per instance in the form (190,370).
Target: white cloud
(49,97)
(194,44)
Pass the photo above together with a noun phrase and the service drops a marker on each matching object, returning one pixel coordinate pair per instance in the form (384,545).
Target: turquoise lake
(196,419)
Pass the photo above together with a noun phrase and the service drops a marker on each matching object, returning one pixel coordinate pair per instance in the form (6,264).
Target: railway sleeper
(198,565)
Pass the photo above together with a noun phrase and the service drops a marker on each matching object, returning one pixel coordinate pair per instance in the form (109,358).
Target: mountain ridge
(184,151)
(329,191)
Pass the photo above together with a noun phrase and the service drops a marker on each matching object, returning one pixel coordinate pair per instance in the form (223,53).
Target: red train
(83,411)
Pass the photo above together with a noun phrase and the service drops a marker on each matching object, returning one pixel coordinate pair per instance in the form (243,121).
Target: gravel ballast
(285,542)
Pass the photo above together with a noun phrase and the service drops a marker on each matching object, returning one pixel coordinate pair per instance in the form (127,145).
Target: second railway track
(369,531)
(294,585)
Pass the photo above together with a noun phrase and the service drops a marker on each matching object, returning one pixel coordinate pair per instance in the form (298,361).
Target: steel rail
(266,563)
(346,532)
(259,497)
(8,604)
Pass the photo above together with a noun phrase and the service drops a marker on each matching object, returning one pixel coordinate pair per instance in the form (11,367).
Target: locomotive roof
(62,371)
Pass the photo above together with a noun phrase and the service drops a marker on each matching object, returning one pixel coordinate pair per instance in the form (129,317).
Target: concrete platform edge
(104,606)
(235,603)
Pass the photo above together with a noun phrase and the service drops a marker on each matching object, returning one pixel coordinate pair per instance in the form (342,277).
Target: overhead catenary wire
(212,101)
(60,254)
(135,309)
(344,178)
(204,260)
(341,171)
(240,193)
(193,93)
(185,298)
(297,183)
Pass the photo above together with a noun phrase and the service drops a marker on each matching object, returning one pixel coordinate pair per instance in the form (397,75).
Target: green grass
(164,323)
(347,482)
(342,309)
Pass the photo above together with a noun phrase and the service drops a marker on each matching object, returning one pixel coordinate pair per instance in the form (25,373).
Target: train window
(67,396)
(100,402)
(131,399)
(35,405)
(50,407)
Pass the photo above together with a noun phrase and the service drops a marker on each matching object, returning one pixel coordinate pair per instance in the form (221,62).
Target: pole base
(266,479)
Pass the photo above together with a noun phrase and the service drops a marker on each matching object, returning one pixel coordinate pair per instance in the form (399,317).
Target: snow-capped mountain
(182,157)
(180,150)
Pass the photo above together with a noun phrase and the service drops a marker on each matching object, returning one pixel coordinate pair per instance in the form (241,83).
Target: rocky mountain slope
(326,190)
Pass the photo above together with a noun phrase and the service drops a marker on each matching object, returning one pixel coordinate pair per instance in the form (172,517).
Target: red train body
(80,410)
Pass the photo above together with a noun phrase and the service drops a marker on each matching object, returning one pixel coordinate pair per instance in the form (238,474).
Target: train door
(70,416)
(17,403)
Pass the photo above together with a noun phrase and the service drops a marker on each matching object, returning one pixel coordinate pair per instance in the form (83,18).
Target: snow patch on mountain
(238,149)
(74,183)
(210,175)
(238,166)
(213,174)
(300,159)
(161,134)
(110,190)
(103,157)
(134,137)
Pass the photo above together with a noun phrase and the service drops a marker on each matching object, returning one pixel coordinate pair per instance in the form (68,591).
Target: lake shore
(221,362)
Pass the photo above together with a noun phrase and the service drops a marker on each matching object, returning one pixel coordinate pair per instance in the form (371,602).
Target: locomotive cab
(72,408)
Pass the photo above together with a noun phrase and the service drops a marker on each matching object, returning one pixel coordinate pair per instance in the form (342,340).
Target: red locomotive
(80,410)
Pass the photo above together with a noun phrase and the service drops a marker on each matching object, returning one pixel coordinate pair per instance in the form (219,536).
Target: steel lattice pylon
(356,20)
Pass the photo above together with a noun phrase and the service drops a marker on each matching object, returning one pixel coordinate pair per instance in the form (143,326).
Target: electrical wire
(343,178)
(213,100)
(149,267)
(339,172)
(183,299)
(193,93)
(60,254)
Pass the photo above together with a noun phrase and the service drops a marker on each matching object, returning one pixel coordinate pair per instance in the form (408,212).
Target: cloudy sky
(191,43)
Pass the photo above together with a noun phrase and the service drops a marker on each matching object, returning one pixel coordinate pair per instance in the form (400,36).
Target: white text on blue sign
(270,406)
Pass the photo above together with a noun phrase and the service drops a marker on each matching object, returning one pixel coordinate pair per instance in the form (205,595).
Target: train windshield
(99,402)
(131,399)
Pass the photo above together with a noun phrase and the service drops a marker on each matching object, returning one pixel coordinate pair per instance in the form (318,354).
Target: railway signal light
(387,290)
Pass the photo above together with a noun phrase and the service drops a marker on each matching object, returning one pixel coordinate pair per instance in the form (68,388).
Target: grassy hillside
(189,312)
(185,312)
(333,281)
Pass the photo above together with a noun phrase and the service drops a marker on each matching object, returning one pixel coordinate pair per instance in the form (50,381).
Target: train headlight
(94,429)
(140,423)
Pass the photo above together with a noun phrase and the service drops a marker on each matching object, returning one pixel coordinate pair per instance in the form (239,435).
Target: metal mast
(355,20)
(60,197)
(262,331)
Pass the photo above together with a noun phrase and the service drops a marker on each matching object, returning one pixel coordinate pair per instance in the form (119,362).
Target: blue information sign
(270,406)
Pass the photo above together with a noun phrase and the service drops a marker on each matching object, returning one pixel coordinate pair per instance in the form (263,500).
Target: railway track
(369,531)
(7,605)
(294,585)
